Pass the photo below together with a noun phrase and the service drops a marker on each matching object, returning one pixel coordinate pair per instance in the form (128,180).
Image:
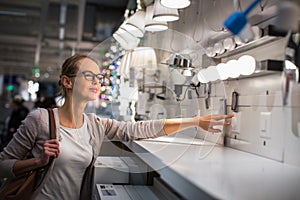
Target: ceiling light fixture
(136,24)
(125,39)
(175,3)
(150,24)
(164,14)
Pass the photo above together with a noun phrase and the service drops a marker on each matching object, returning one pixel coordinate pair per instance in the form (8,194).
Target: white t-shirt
(75,156)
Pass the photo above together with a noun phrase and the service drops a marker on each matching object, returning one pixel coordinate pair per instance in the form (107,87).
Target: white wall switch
(265,124)
(236,122)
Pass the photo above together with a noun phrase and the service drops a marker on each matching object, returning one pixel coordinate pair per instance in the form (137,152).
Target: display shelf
(248,46)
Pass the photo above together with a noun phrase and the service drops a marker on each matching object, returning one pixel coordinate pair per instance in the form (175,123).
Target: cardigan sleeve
(22,143)
(121,130)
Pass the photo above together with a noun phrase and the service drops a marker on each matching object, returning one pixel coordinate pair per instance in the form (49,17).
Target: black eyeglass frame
(89,76)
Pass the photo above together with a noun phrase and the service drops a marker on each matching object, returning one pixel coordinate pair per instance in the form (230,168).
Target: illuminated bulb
(223,71)
(212,73)
(202,77)
(233,68)
(257,32)
(210,52)
(229,44)
(246,33)
(218,48)
(247,65)
(238,40)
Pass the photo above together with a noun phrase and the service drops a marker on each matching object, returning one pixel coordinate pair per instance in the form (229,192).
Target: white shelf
(248,46)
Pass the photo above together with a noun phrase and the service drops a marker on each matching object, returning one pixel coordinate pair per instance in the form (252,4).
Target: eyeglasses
(90,76)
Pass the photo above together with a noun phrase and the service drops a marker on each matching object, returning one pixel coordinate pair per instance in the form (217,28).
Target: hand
(51,148)
(207,122)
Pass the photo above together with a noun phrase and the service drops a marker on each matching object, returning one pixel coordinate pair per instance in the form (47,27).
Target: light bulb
(238,40)
(212,73)
(218,48)
(223,71)
(247,65)
(229,44)
(210,52)
(202,77)
(233,68)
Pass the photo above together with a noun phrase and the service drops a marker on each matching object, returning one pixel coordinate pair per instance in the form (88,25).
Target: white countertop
(209,171)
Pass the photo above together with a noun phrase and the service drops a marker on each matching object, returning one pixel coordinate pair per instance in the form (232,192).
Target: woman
(79,135)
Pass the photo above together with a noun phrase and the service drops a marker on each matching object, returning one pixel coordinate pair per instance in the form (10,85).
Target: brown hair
(70,67)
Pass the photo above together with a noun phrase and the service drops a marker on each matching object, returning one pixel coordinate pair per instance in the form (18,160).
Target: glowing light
(247,65)
(233,68)
(222,70)
(202,77)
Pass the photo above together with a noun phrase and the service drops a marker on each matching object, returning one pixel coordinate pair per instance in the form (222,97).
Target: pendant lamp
(175,3)
(164,14)
(152,25)
(136,24)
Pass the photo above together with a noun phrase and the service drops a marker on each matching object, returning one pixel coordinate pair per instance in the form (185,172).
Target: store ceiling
(29,32)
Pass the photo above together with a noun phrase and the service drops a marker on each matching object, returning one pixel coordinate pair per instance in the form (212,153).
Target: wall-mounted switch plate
(265,124)
(236,122)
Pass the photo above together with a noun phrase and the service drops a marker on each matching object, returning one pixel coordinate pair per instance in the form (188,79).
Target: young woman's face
(88,81)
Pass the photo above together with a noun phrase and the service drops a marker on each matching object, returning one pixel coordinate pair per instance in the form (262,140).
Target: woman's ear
(66,82)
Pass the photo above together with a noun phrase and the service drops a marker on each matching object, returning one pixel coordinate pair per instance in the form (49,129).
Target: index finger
(219,117)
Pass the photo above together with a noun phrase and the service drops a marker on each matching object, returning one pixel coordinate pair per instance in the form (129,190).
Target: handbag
(23,186)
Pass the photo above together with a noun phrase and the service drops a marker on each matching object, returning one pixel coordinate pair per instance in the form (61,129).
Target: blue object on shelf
(238,20)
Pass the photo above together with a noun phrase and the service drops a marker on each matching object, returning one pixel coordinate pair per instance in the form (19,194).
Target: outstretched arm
(205,122)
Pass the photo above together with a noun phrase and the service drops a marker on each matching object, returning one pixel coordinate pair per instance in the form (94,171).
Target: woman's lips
(95,90)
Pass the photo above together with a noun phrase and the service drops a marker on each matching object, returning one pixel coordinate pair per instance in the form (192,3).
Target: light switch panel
(236,122)
(265,124)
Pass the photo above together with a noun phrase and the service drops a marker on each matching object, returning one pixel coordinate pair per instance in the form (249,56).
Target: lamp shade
(126,40)
(175,3)
(136,24)
(123,69)
(152,25)
(144,57)
(140,58)
(164,14)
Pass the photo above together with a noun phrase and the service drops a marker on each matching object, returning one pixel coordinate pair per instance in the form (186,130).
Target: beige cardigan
(34,130)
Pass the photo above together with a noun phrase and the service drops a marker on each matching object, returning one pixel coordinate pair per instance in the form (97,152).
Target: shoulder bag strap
(52,126)
(42,171)
(52,129)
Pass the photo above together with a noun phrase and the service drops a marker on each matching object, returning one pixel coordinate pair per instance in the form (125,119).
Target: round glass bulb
(223,71)
(212,73)
(210,52)
(218,48)
(247,65)
(202,77)
(229,44)
(233,68)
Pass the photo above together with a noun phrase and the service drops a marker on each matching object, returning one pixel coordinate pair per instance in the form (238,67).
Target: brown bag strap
(52,126)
